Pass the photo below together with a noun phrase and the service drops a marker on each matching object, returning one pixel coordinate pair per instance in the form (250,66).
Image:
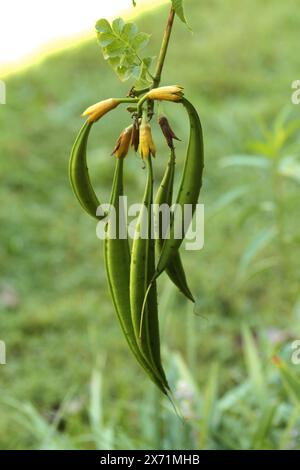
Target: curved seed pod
(152,307)
(191,183)
(152,312)
(117,262)
(148,336)
(164,195)
(79,174)
(189,191)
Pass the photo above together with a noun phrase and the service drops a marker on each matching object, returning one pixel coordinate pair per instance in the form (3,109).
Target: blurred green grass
(56,315)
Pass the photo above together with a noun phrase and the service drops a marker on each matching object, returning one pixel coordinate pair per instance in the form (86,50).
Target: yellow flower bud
(166,93)
(98,110)
(123,143)
(146,146)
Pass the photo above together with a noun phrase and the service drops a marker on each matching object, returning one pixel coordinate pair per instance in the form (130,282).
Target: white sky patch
(27,26)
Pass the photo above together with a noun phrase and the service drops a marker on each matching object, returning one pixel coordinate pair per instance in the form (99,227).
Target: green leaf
(260,241)
(246,160)
(134,3)
(114,62)
(228,198)
(130,30)
(234,396)
(105,39)
(142,79)
(114,49)
(140,41)
(264,148)
(124,72)
(103,26)
(136,71)
(210,402)
(289,379)
(289,167)
(254,365)
(121,45)
(263,427)
(178,7)
(118,25)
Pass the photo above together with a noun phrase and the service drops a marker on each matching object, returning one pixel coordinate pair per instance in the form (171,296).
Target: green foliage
(179,10)
(277,166)
(121,44)
(254,366)
(177,6)
(290,380)
(233,419)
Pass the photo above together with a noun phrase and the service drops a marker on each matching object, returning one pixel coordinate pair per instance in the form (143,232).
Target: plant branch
(162,57)
(164,49)
(160,64)
(129,100)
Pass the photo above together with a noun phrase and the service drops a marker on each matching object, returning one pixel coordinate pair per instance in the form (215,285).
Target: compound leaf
(121,44)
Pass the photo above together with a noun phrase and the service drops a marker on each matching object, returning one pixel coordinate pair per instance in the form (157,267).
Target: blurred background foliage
(70,381)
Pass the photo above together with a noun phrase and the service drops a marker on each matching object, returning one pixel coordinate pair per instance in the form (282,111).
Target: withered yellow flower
(98,110)
(166,93)
(135,139)
(123,143)
(146,146)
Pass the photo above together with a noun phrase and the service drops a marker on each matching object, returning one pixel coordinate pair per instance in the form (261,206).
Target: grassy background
(70,380)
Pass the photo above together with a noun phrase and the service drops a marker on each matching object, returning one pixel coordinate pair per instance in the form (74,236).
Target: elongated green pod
(79,174)
(152,312)
(117,262)
(190,185)
(142,253)
(164,195)
(189,190)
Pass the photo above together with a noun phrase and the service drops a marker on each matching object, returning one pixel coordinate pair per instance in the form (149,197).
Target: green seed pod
(117,262)
(142,265)
(191,182)
(189,191)
(79,173)
(164,195)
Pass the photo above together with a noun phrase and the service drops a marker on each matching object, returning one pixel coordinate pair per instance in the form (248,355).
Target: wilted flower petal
(167,131)
(98,110)
(123,143)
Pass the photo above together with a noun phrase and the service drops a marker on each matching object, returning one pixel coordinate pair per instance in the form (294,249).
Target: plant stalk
(162,57)
(164,49)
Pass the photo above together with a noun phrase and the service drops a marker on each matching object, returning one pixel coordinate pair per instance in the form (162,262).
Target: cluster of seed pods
(132,270)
